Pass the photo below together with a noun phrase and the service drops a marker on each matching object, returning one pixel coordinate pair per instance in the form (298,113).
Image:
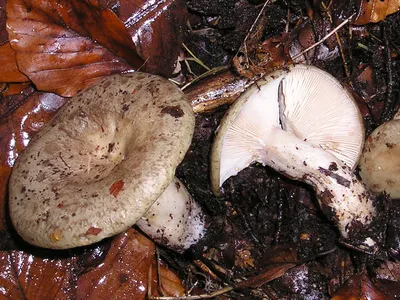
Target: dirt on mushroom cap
(102,161)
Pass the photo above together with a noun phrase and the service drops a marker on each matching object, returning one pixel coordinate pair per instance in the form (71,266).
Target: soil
(262,213)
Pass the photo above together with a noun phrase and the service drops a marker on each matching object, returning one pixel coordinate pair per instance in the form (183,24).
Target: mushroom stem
(340,194)
(175,220)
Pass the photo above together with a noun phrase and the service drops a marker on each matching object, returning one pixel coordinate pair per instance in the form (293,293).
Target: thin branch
(324,38)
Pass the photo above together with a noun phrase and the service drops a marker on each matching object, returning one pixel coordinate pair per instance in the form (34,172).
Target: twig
(327,8)
(160,286)
(323,39)
(195,297)
(251,29)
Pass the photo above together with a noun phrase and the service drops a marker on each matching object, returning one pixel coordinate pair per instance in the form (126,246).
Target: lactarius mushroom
(101,163)
(175,220)
(380,161)
(304,124)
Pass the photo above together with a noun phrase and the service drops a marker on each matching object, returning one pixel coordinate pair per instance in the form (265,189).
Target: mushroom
(304,124)
(380,161)
(101,163)
(175,220)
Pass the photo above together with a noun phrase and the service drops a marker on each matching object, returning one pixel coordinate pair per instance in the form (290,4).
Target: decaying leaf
(157,29)
(372,11)
(56,49)
(124,272)
(3,31)
(359,286)
(9,69)
(21,116)
(26,276)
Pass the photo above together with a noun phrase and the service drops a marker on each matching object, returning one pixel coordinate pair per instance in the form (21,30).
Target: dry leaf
(124,272)
(372,11)
(25,276)
(54,48)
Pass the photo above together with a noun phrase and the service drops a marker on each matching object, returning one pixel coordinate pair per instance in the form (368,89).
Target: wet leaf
(25,276)
(62,52)
(157,29)
(9,69)
(170,282)
(21,116)
(372,11)
(3,31)
(389,270)
(359,286)
(124,272)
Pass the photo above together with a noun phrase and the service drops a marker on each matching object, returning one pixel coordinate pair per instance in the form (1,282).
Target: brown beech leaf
(3,31)
(157,29)
(359,286)
(25,276)
(170,282)
(21,116)
(64,46)
(9,69)
(372,11)
(123,273)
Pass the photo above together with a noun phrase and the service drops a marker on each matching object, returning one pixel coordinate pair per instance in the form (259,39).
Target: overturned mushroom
(305,125)
(380,161)
(101,163)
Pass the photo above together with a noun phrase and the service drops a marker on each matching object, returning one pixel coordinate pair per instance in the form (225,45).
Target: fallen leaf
(9,69)
(359,286)
(26,276)
(157,30)
(21,116)
(373,11)
(389,270)
(123,273)
(59,52)
(15,88)
(116,187)
(3,31)
(170,282)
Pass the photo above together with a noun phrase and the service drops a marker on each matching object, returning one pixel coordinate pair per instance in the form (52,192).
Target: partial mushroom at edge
(294,122)
(380,161)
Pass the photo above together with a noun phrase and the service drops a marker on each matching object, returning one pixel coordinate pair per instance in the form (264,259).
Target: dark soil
(262,213)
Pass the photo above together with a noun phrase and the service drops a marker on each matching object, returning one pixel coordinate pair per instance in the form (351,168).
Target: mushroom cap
(102,162)
(301,99)
(380,161)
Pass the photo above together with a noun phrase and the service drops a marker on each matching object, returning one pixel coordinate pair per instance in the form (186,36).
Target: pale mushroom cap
(315,107)
(101,163)
(380,161)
